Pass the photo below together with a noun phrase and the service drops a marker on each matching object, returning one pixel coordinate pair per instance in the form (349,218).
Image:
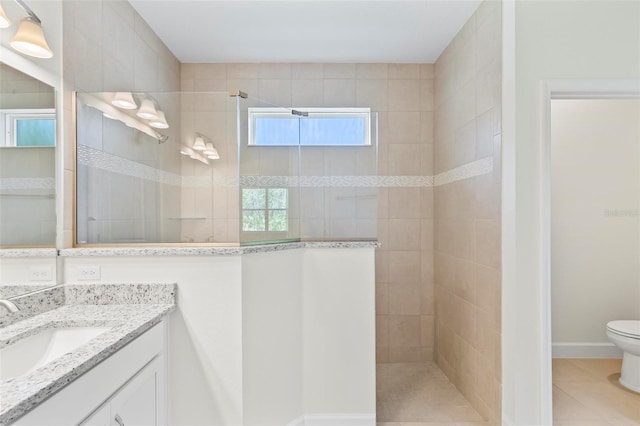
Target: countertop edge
(209,251)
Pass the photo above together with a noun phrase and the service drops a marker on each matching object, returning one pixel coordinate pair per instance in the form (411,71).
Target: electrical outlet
(88,273)
(40,273)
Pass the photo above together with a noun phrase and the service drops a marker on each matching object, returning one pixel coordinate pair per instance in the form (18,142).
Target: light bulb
(147,110)
(198,144)
(124,100)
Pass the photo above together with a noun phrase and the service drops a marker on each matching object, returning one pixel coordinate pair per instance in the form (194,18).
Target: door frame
(548,91)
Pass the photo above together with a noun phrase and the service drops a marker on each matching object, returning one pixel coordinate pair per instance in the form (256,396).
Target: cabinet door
(135,403)
(99,418)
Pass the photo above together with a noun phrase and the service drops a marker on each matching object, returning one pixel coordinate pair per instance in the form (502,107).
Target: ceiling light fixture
(185,150)
(124,100)
(29,39)
(4,21)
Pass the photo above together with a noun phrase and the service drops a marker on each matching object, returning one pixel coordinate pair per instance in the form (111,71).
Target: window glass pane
(253,198)
(277,220)
(275,131)
(332,131)
(253,220)
(277,198)
(36,132)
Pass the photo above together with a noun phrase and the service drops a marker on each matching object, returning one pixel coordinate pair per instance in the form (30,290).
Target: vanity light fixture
(198,144)
(160,122)
(185,150)
(147,110)
(29,39)
(4,21)
(124,100)
(211,152)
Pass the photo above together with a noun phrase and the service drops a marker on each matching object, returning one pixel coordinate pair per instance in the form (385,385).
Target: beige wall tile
(306,71)
(339,92)
(404,71)
(404,234)
(279,71)
(404,265)
(402,297)
(382,330)
(404,160)
(427,71)
(404,331)
(242,71)
(382,297)
(372,93)
(404,203)
(375,71)
(403,127)
(347,71)
(404,95)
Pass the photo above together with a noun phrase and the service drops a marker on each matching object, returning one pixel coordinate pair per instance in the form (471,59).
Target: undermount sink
(35,351)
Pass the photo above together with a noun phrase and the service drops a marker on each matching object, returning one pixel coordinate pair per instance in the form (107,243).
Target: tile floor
(586,393)
(420,395)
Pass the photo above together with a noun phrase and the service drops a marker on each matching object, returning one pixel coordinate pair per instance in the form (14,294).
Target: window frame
(277,112)
(266,211)
(8,124)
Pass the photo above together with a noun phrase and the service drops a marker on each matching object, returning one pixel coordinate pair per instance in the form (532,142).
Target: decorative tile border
(27,183)
(112,163)
(469,170)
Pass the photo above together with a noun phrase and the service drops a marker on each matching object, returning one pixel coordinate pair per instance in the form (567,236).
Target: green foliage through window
(265,209)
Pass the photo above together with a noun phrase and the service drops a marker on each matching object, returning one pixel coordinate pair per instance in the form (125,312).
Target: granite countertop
(211,251)
(127,310)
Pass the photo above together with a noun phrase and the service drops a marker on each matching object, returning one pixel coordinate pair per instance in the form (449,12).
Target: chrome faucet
(9,306)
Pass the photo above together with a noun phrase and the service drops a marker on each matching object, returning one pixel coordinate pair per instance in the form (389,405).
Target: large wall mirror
(27,181)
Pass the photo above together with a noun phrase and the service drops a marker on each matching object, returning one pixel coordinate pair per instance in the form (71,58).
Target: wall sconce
(198,144)
(124,100)
(147,111)
(211,152)
(109,111)
(160,122)
(29,38)
(202,150)
(4,21)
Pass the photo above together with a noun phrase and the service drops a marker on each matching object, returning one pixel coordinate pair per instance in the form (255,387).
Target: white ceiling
(306,30)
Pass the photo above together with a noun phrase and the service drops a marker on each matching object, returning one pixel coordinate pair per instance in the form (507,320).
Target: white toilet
(626,335)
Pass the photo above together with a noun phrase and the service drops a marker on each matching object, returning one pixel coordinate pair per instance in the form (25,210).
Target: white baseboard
(585,350)
(334,420)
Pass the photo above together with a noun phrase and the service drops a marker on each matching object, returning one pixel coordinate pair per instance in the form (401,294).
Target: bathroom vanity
(97,358)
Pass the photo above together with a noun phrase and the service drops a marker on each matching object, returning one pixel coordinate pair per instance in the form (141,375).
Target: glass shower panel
(157,178)
(269,194)
(338,190)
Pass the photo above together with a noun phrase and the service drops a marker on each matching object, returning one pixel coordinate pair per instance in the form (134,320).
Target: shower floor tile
(420,395)
(586,392)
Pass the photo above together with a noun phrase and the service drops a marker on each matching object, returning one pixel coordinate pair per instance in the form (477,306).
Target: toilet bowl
(626,336)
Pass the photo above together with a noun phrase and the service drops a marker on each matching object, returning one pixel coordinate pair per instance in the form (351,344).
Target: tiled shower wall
(402,94)
(109,47)
(467,213)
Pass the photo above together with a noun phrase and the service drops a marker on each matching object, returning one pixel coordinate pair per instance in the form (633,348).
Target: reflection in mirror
(27,161)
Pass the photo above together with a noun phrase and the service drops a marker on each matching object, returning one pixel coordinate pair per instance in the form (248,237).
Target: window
(265,209)
(28,128)
(322,127)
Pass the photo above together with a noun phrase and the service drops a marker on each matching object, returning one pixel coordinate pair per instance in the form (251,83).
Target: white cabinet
(126,389)
(134,404)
